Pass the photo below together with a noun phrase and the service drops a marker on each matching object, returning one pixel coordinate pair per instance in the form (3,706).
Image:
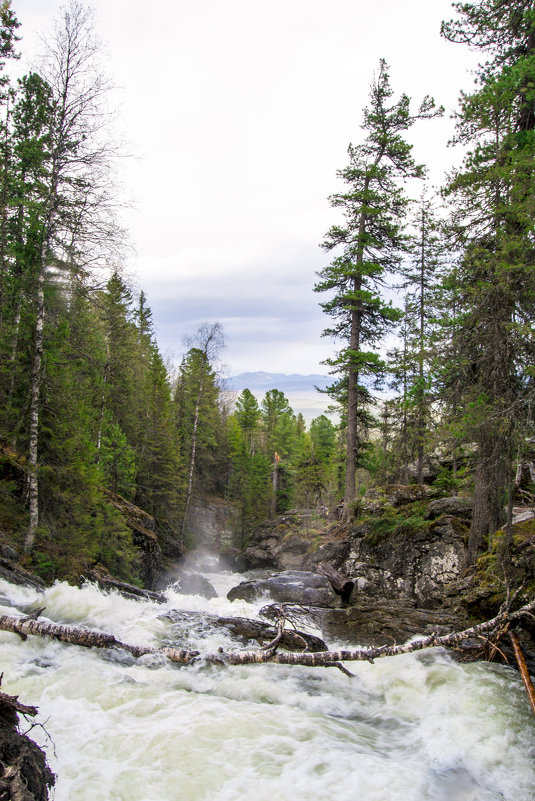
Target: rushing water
(413,728)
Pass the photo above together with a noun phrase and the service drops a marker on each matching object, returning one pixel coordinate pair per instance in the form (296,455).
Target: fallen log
(89,639)
(342,585)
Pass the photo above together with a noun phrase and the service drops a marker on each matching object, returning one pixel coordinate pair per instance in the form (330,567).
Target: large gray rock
(284,542)
(290,586)
(385,623)
(15,574)
(108,584)
(378,499)
(295,540)
(413,567)
(212,522)
(188,583)
(457,505)
(189,626)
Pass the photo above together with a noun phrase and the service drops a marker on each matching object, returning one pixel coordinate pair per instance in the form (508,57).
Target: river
(418,727)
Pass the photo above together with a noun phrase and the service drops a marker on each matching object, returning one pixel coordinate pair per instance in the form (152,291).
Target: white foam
(412,728)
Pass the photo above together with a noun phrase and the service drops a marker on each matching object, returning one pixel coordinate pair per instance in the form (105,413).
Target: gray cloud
(240,113)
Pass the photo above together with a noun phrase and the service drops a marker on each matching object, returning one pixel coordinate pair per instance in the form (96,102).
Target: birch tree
(196,392)
(73,204)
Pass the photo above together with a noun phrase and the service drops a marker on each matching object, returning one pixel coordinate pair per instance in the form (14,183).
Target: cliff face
(413,566)
(406,554)
(142,526)
(212,522)
(392,553)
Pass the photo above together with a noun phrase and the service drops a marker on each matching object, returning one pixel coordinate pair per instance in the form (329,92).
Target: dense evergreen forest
(90,411)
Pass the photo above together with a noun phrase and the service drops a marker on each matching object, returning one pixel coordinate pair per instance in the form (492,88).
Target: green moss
(315,545)
(523,531)
(395,523)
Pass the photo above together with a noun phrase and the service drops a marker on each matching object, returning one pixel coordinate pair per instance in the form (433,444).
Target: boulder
(240,628)
(413,567)
(187,583)
(7,552)
(15,574)
(385,623)
(290,586)
(378,499)
(456,505)
(401,494)
(432,465)
(290,542)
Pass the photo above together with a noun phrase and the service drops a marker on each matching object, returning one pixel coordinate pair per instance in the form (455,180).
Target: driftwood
(342,585)
(523,668)
(87,638)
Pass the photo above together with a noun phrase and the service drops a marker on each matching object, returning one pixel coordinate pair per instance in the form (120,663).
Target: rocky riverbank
(405,551)
(24,774)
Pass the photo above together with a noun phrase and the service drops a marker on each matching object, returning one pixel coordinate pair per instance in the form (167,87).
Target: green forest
(89,410)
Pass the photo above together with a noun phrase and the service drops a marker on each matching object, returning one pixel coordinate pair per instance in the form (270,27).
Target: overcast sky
(239,113)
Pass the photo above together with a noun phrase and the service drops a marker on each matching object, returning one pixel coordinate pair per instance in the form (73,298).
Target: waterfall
(419,727)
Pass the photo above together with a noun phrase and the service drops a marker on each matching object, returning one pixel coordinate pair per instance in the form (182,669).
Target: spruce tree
(371,242)
(492,198)
(412,368)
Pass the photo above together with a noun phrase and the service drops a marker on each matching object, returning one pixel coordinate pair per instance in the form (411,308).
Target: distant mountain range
(285,383)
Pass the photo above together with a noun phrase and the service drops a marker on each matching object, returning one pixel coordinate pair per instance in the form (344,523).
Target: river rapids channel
(418,727)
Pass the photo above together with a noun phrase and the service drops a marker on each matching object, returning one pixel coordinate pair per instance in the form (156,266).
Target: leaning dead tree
(489,631)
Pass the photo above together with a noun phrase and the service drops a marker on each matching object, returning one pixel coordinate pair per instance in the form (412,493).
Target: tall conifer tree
(493,198)
(371,242)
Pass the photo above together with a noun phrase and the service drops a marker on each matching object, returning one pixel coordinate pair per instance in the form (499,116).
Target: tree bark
(191,468)
(523,668)
(341,584)
(35,396)
(353,374)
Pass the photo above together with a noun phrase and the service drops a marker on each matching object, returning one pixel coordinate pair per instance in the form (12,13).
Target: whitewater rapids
(417,727)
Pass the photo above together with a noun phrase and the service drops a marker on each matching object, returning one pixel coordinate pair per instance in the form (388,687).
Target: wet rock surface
(15,574)
(188,583)
(385,623)
(290,586)
(108,584)
(242,629)
(413,567)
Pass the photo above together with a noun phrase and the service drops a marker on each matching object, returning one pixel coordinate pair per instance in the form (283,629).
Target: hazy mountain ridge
(285,383)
